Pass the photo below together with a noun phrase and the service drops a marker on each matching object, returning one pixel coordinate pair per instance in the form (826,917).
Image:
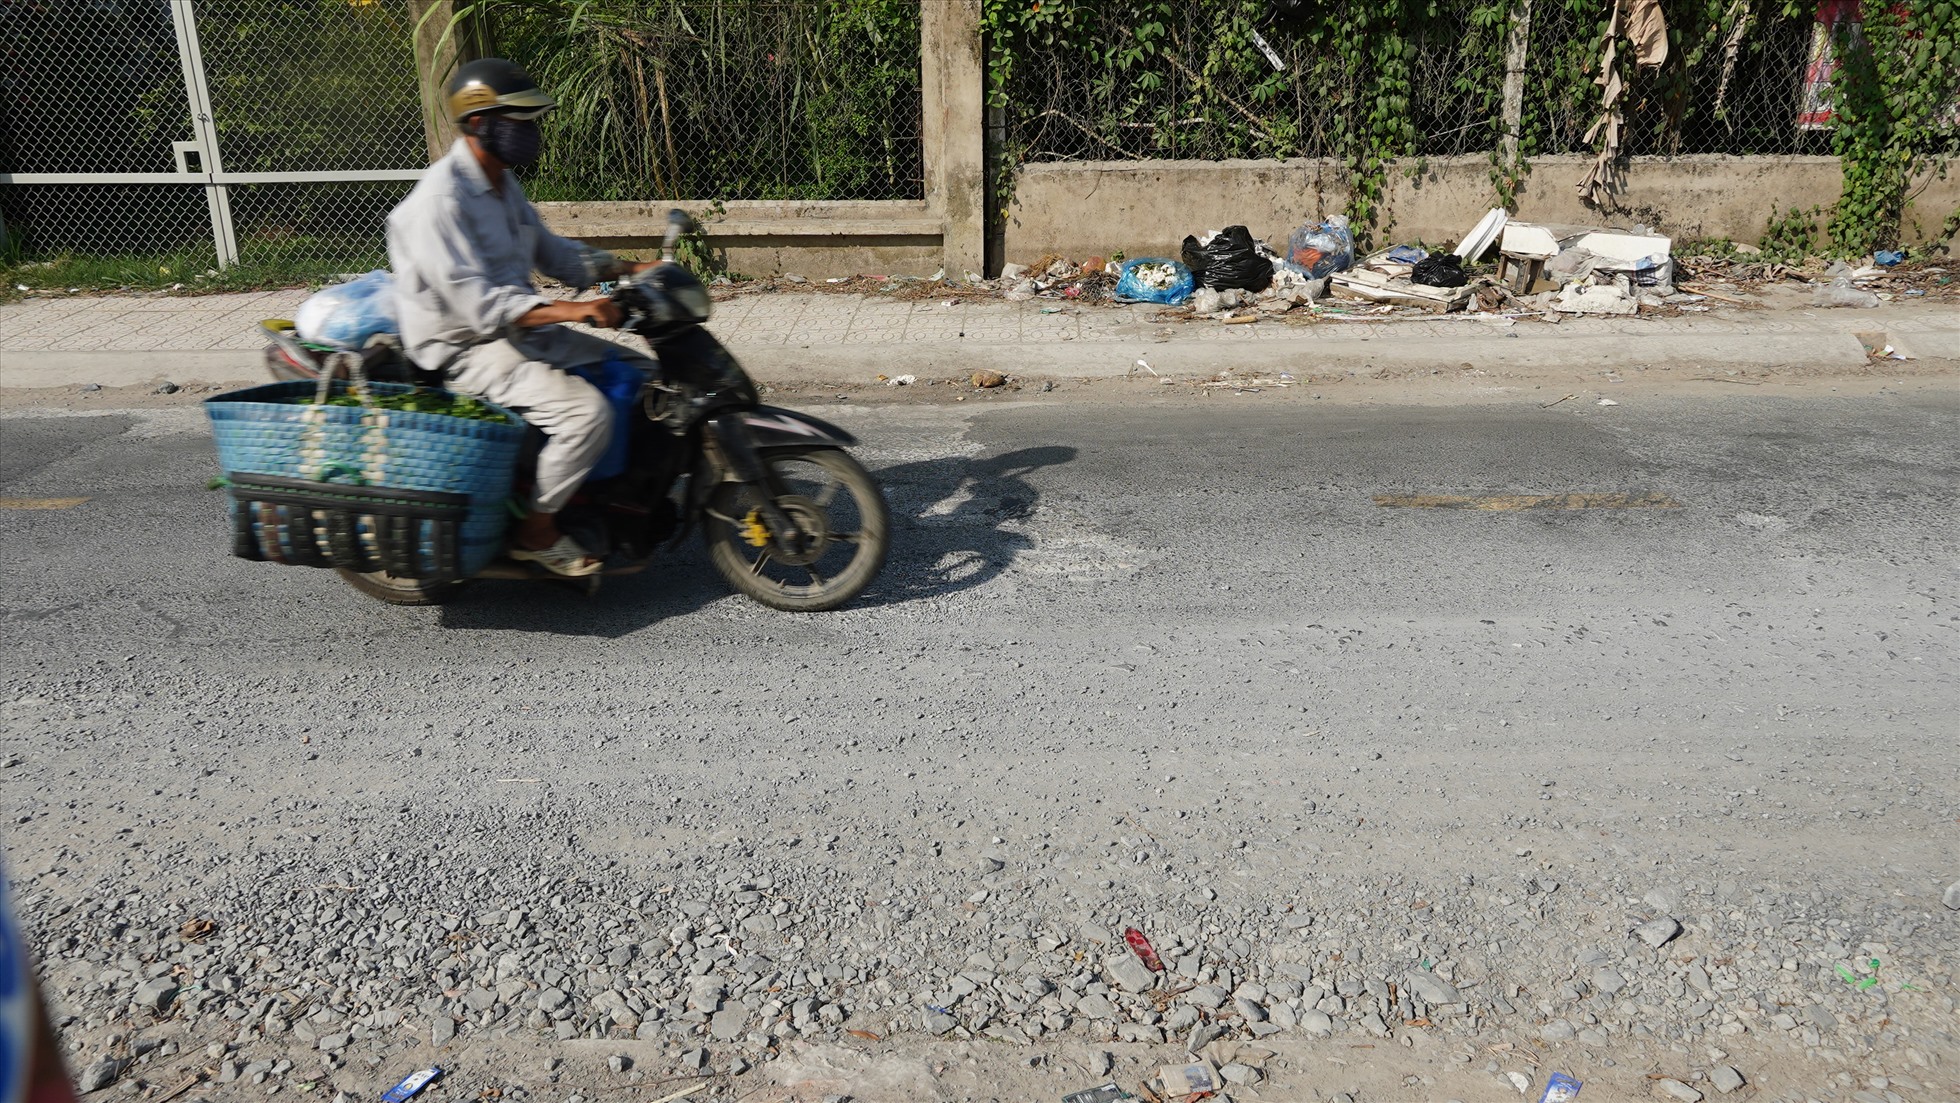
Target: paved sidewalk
(123,341)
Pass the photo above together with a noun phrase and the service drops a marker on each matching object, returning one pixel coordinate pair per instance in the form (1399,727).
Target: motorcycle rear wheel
(839,507)
(383,586)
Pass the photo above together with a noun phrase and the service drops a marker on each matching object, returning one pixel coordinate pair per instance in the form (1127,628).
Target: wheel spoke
(816,579)
(848,537)
(761,561)
(829,492)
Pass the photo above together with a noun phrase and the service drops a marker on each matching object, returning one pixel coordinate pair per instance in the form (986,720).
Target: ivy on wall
(1381,85)
(1896,96)
(1139,79)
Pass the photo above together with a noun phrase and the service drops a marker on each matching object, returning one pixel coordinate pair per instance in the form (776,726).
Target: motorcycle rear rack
(407,533)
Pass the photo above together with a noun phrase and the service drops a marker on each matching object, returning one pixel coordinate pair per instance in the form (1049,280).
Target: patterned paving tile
(230,321)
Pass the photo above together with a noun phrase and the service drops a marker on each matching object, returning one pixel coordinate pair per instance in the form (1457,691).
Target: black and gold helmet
(493,84)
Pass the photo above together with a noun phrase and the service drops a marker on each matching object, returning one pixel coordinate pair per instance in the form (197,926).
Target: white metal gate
(276,132)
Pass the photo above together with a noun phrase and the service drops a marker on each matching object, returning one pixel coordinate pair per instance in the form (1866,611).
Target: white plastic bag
(1840,292)
(347,315)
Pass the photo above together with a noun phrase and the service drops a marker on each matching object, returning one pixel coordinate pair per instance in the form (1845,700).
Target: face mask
(515,142)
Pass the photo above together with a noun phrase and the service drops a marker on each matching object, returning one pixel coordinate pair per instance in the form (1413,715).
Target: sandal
(565,558)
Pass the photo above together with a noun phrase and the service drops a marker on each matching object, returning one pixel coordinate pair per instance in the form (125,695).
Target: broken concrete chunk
(1658,932)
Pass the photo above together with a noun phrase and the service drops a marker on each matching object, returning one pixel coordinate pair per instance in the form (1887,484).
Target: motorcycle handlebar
(678,223)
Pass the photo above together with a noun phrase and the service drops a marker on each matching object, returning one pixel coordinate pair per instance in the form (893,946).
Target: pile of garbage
(1500,266)
(1095,280)
(1232,277)
(1216,270)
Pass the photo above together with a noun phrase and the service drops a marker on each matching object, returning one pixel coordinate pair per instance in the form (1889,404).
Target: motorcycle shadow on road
(957,522)
(676,583)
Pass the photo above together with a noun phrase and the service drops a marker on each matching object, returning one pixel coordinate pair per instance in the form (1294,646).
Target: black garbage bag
(1229,258)
(1444,270)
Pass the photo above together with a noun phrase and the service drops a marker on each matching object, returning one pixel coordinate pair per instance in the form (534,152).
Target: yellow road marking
(40,503)
(1511,503)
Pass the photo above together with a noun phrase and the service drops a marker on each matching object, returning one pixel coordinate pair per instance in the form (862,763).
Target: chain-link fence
(708,99)
(89,88)
(312,85)
(1213,79)
(182,134)
(279,132)
(1733,83)
(150,229)
(168,136)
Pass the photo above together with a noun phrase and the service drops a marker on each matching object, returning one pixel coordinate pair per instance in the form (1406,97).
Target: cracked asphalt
(1157,660)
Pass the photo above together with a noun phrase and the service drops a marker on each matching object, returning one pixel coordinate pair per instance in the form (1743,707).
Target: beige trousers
(528,374)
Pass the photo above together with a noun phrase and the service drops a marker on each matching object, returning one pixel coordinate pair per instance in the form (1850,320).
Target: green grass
(267,266)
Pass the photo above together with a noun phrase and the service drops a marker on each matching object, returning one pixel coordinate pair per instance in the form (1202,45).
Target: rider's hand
(598,312)
(594,312)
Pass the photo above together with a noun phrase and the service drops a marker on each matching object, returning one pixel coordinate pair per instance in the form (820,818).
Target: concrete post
(952,80)
(439,48)
(996,218)
(1517,49)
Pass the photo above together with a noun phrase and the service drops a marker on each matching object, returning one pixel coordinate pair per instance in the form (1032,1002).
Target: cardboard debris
(1530,241)
(1482,236)
(1530,254)
(1631,250)
(1362,283)
(1595,299)
(1188,1079)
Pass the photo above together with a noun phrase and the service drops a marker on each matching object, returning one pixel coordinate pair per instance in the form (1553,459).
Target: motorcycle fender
(775,427)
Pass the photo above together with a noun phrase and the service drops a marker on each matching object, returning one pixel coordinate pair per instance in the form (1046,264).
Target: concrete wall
(1930,201)
(820,240)
(1146,208)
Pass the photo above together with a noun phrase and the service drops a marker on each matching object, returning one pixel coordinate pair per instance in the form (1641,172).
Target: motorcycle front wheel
(834,503)
(395,590)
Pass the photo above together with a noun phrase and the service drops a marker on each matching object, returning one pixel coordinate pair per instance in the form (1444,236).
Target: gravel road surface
(1425,778)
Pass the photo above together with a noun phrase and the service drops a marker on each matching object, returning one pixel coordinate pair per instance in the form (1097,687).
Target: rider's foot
(565,557)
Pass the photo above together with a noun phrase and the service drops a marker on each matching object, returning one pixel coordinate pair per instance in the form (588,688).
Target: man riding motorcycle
(463,246)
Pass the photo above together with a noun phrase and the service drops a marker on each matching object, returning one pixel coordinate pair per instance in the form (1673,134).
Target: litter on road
(1199,1076)
(1107,1093)
(411,1085)
(1143,950)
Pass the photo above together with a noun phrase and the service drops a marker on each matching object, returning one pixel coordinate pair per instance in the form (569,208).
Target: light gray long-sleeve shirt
(463,257)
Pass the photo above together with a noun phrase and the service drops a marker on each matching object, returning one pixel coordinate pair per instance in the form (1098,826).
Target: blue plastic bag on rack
(621,382)
(346,315)
(1155,280)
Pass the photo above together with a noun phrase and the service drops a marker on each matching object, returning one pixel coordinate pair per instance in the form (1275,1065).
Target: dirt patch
(1454,384)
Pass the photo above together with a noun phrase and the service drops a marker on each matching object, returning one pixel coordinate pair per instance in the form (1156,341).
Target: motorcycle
(789,517)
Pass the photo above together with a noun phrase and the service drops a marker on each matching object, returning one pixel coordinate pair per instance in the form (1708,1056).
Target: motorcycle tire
(383,586)
(817,579)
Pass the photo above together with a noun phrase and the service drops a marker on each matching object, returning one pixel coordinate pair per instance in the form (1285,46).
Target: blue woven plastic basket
(331,466)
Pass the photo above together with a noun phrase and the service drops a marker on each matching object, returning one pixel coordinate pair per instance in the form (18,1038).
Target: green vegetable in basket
(441,403)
